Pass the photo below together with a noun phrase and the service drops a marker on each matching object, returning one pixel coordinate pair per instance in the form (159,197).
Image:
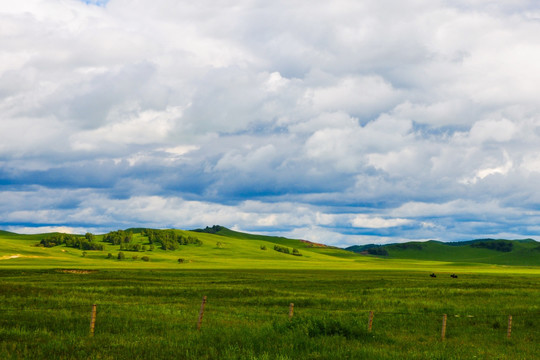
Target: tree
(282,249)
(118,237)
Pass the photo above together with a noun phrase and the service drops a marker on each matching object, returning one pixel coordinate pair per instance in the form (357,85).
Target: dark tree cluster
(408,246)
(497,245)
(210,230)
(118,237)
(170,239)
(377,250)
(133,247)
(286,250)
(79,242)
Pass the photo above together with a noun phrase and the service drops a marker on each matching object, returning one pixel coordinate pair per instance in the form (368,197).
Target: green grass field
(153,314)
(149,310)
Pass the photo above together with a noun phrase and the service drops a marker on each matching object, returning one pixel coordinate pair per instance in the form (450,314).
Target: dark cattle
(453,276)
(433,275)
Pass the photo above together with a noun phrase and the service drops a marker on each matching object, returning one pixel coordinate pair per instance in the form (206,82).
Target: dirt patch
(77,271)
(313,244)
(7,257)
(16,256)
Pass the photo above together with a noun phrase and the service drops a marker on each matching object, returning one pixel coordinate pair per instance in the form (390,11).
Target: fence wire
(297,309)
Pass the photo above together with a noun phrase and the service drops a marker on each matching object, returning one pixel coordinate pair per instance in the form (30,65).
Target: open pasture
(152,313)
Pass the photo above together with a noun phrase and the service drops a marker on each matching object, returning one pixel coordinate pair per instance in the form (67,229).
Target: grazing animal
(433,275)
(453,276)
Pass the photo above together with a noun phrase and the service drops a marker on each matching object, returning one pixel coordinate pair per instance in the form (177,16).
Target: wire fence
(82,312)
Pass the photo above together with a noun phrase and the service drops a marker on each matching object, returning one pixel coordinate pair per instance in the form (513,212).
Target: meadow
(149,310)
(154,313)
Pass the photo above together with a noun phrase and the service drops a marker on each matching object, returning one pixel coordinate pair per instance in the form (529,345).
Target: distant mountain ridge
(525,252)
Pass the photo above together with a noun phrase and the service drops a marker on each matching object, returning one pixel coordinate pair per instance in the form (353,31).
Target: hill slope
(488,251)
(222,248)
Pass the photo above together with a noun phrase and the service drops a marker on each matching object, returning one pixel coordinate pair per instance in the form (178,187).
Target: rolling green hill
(221,248)
(214,249)
(488,251)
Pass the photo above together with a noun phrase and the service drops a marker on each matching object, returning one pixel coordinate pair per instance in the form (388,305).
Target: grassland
(149,310)
(153,314)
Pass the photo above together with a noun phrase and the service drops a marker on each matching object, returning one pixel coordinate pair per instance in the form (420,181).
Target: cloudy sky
(343,122)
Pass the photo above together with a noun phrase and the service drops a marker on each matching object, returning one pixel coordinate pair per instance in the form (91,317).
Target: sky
(341,122)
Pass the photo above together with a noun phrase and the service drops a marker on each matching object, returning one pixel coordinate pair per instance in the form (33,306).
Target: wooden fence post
(93,320)
(370,322)
(201,313)
(443,331)
(509,326)
(291,311)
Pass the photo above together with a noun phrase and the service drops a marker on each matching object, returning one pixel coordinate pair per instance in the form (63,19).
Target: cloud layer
(341,122)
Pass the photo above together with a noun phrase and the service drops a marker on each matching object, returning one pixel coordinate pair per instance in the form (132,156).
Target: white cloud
(482,173)
(360,95)
(531,163)
(496,130)
(136,127)
(46,229)
(375,222)
(289,115)
(275,82)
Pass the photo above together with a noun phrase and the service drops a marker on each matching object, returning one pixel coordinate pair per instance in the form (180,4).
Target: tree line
(286,250)
(497,245)
(169,239)
(86,242)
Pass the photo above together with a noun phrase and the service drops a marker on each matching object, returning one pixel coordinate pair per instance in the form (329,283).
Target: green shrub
(131,247)
(145,258)
(121,256)
(282,249)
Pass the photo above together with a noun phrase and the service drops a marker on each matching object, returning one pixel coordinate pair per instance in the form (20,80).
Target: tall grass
(152,314)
